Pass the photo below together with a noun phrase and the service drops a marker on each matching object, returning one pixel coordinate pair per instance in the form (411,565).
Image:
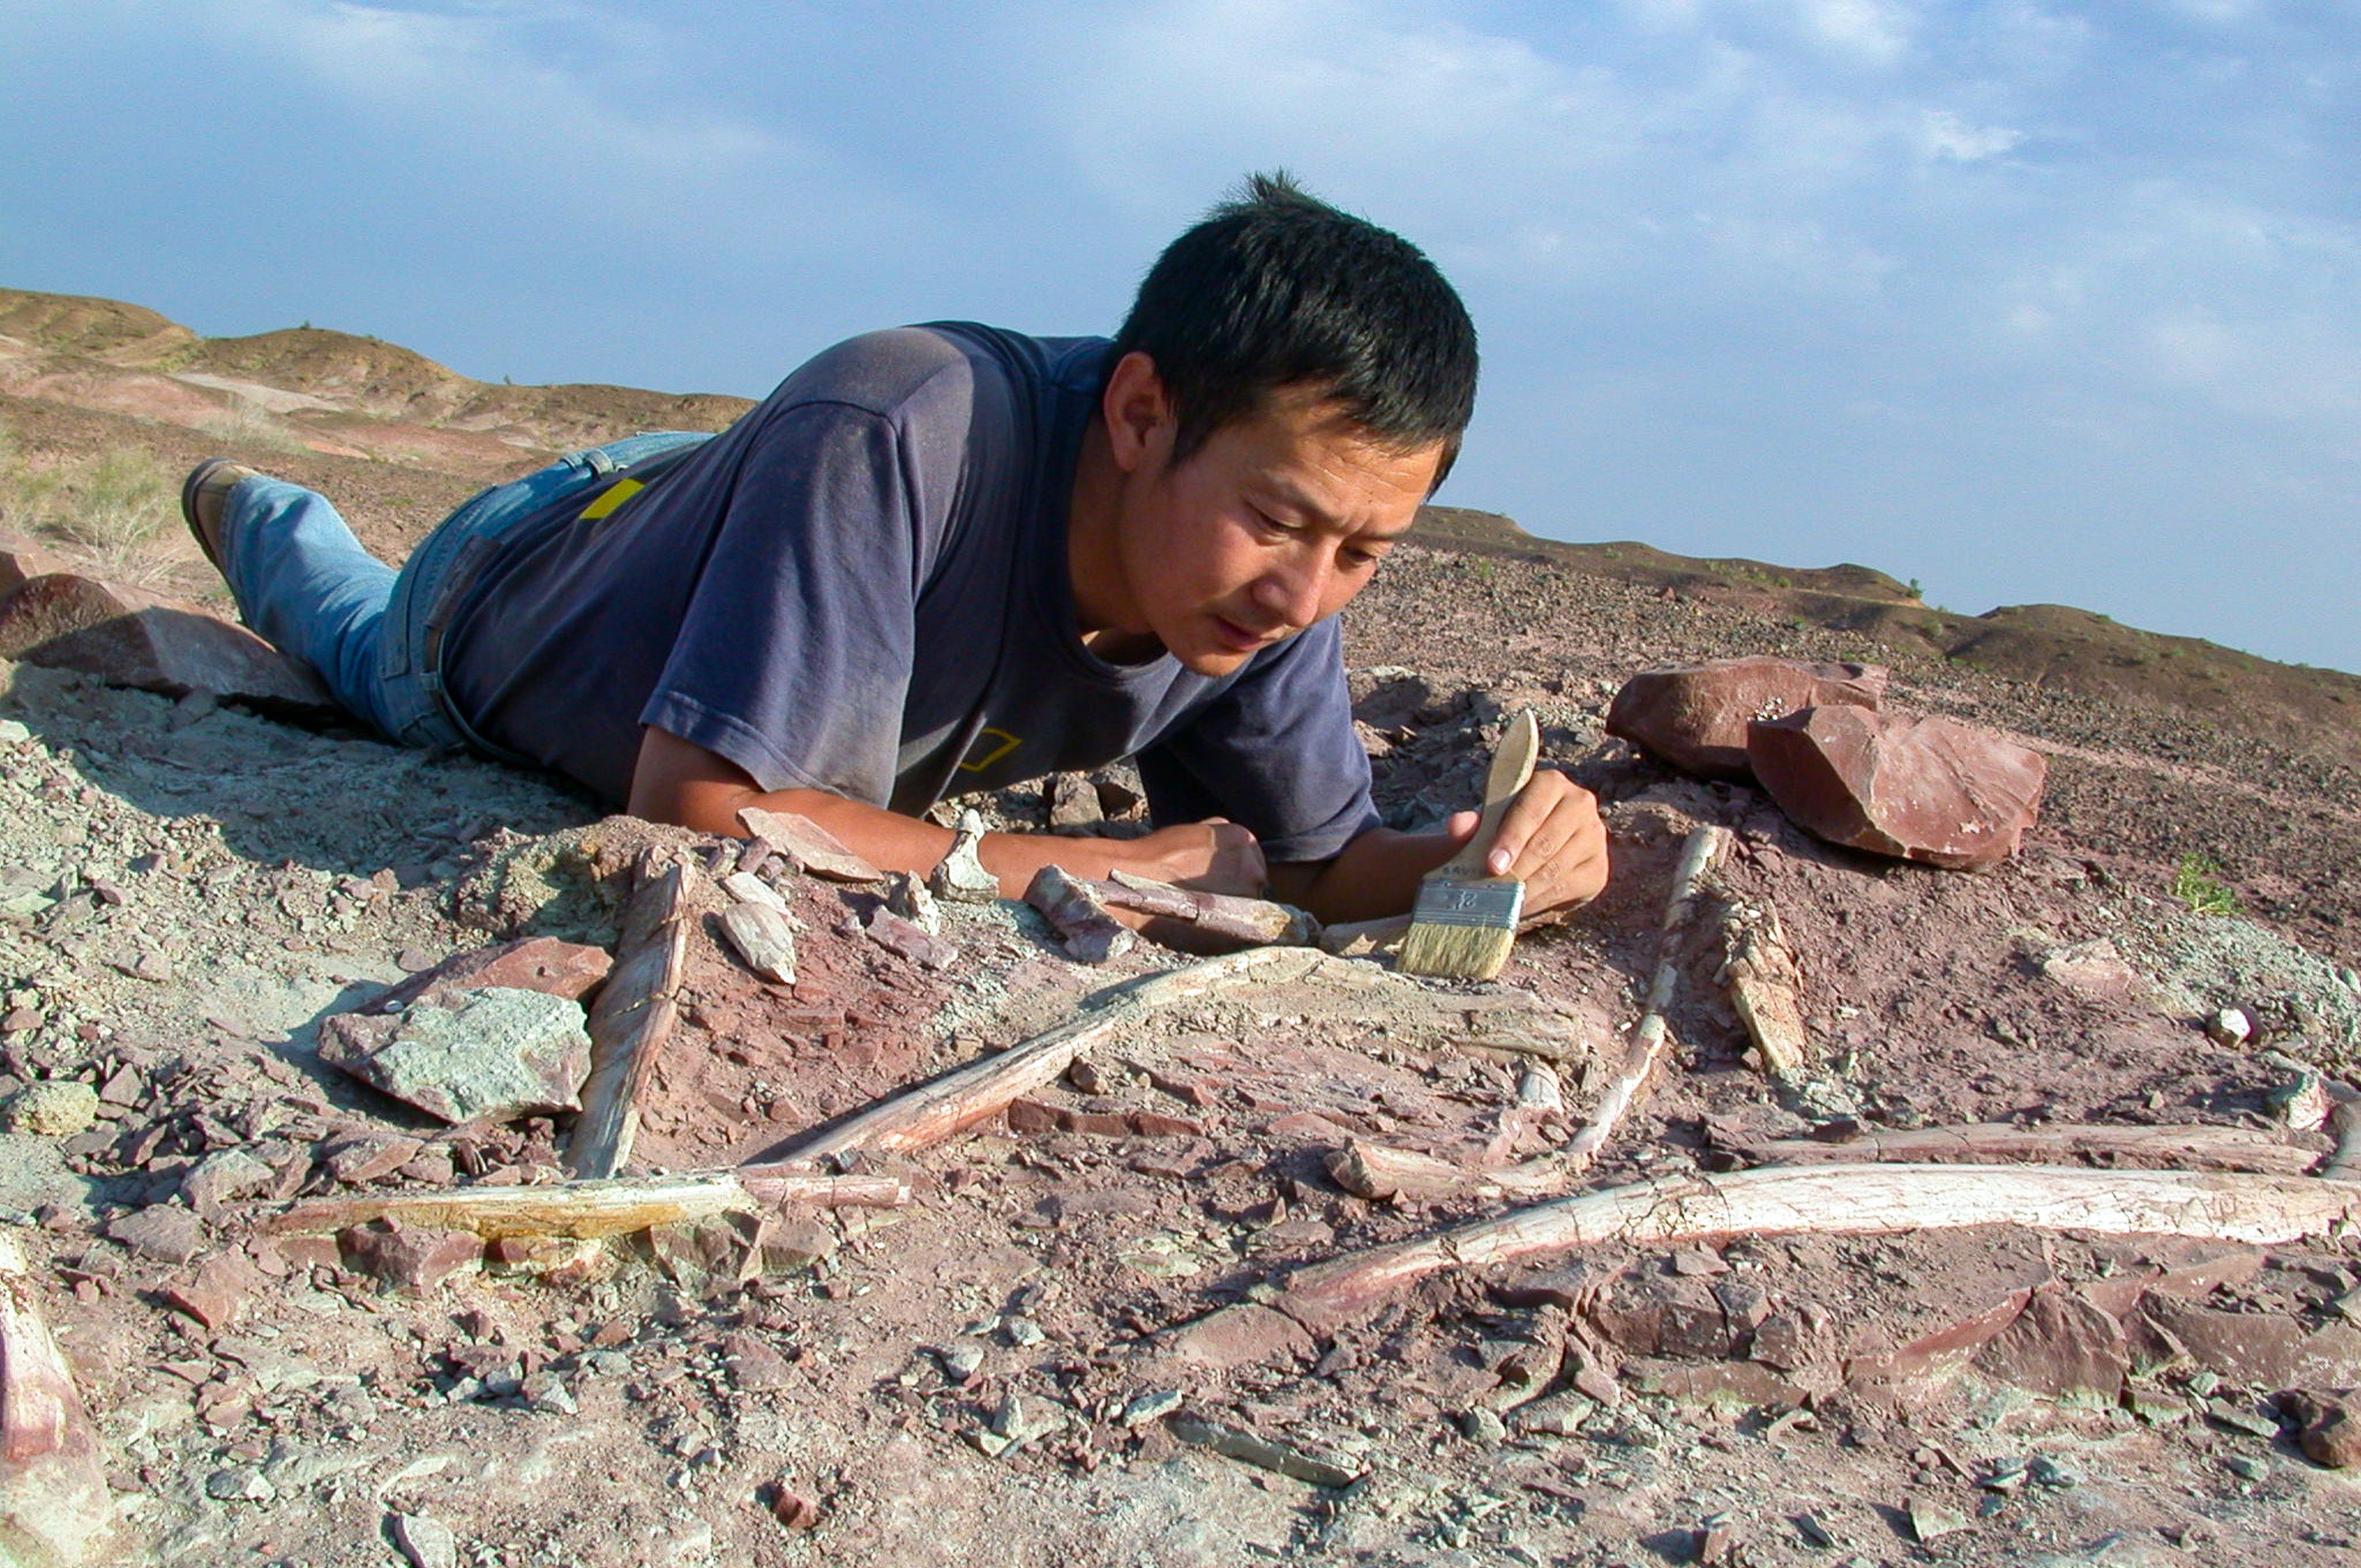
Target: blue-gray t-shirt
(863,586)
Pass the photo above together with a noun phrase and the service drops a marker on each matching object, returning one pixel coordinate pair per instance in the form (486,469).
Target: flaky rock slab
(1921,788)
(1695,715)
(128,638)
(497,1053)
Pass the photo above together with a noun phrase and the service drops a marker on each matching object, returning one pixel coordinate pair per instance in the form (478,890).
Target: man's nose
(1298,589)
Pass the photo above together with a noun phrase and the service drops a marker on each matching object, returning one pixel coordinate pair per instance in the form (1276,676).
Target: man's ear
(1140,422)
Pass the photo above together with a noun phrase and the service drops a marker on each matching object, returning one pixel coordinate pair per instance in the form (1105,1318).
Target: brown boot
(202,495)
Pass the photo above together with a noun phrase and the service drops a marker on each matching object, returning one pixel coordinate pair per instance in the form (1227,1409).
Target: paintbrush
(1465,921)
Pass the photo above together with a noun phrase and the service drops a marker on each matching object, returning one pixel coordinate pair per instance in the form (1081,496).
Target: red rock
(2199,1276)
(125,1088)
(1716,1383)
(1156,1125)
(570,969)
(905,940)
(1695,715)
(1928,789)
(1565,1288)
(21,560)
(755,1364)
(1305,1124)
(2061,1347)
(165,1234)
(408,1259)
(218,1293)
(792,1509)
(1928,1355)
(1032,1116)
(129,638)
(2261,1350)
(810,847)
(308,1251)
(366,1156)
(1194,1092)
(1241,1335)
(2331,1425)
(1744,1304)
(787,1245)
(1656,1315)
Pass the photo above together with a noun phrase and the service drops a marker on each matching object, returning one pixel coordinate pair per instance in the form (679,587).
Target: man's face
(1273,523)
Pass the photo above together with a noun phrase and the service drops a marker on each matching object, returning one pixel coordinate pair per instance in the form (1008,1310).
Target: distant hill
(2040,644)
(398,439)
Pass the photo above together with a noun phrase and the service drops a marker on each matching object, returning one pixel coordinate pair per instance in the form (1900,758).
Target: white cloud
(475,77)
(1944,135)
(1877,32)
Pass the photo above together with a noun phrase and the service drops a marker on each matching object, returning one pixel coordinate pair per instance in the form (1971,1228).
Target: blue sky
(2028,301)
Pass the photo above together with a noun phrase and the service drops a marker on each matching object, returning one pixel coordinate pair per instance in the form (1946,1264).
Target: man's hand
(1551,839)
(1211,856)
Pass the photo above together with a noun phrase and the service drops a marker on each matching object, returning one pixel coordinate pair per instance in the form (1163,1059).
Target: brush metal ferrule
(1495,902)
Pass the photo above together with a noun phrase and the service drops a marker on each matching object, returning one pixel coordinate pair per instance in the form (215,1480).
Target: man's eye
(1264,519)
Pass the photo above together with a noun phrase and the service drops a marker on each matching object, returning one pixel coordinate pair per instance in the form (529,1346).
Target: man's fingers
(1519,824)
(1552,839)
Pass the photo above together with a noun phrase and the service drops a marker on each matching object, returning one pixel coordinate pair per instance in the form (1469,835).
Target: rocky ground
(1001,1369)
(1084,1338)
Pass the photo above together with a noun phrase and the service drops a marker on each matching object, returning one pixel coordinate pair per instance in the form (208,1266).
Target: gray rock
(1483,1428)
(961,1361)
(51,1108)
(961,877)
(1151,1407)
(223,1175)
(426,1542)
(760,936)
(240,1486)
(500,1053)
(546,1393)
(33,1172)
(748,888)
(1024,1418)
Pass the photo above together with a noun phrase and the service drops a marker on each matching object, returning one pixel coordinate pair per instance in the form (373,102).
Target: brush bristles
(1462,927)
(1455,952)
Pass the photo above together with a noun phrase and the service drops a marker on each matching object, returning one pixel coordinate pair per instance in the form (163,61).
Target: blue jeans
(305,585)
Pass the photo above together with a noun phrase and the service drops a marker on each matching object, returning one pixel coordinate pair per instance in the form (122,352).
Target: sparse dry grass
(116,514)
(249,425)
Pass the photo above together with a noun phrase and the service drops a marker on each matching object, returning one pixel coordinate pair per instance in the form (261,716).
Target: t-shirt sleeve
(793,653)
(1275,751)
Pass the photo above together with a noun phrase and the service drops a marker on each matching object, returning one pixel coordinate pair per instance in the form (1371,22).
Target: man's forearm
(681,783)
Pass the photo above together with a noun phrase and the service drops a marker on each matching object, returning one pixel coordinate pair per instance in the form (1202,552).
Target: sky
(2030,301)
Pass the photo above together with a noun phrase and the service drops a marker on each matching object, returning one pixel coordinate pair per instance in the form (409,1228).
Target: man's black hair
(1276,288)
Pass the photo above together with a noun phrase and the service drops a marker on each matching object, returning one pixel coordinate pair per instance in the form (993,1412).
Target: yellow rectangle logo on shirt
(614,496)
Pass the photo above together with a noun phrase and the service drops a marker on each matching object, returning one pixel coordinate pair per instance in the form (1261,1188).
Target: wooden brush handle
(1513,769)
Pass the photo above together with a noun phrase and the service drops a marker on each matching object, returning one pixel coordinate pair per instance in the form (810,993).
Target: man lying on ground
(950,557)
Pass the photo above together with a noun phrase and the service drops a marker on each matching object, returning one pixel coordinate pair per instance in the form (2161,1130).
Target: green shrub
(2198,884)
